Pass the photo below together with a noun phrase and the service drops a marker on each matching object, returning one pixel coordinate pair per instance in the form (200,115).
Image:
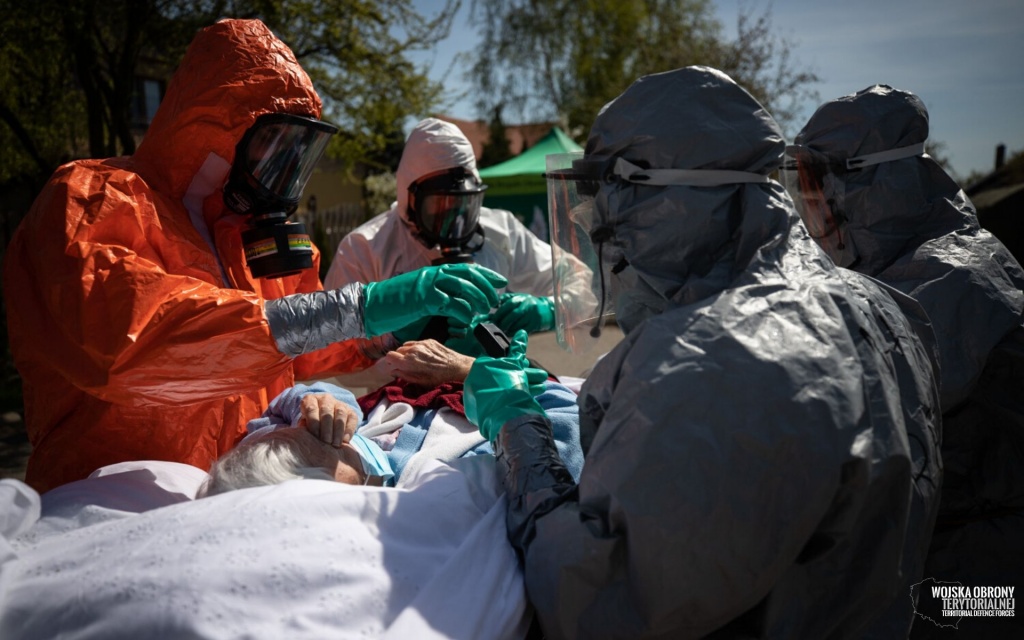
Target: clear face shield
(816,189)
(581,276)
(584,258)
(281,156)
(817,185)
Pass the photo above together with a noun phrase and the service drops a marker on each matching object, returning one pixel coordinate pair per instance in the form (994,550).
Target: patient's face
(343,462)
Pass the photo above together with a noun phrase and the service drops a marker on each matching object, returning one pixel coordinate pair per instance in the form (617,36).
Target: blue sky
(965,59)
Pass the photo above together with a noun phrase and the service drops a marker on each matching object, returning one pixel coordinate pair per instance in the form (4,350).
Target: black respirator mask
(273,162)
(445,207)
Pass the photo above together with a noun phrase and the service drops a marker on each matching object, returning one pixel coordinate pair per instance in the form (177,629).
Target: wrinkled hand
(427,363)
(500,389)
(327,418)
(458,291)
(522,311)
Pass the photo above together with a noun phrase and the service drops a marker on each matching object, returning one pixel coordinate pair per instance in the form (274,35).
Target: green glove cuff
(498,389)
(547,312)
(458,291)
(524,311)
(520,406)
(412,331)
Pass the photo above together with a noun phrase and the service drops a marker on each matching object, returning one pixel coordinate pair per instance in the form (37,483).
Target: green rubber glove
(522,311)
(411,332)
(499,389)
(467,345)
(459,291)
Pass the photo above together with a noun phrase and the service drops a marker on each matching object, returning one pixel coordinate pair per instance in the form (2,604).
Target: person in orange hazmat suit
(156,302)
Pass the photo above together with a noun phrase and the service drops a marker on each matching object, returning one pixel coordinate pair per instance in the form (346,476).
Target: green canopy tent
(518,185)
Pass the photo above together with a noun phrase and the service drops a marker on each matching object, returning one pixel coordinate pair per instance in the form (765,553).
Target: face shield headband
(816,183)
(579,234)
(445,207)
(273,162)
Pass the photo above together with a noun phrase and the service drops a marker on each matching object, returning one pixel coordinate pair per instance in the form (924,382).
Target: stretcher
(130,553)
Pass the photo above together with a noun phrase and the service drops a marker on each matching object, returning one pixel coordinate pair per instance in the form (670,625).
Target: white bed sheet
(128,553)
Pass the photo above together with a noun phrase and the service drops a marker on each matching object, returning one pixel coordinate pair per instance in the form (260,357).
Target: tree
(355,52)
(70,71)
(937,151)
(565,59)
(497,148)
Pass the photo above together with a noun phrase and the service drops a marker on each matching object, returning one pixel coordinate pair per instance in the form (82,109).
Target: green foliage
(69,69)
(566,59)
(379,191)
(40,103)
(355,52)
(69,72)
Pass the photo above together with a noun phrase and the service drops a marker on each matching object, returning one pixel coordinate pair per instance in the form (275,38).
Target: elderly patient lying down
(309,431)
(130,553)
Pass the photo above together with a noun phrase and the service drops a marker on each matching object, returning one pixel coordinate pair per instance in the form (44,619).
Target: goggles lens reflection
(450,215)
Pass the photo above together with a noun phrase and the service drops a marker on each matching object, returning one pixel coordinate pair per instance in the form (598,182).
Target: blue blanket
(558,401)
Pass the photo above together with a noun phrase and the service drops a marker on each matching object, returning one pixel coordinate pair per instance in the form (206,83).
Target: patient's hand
(328,418)
(428,363)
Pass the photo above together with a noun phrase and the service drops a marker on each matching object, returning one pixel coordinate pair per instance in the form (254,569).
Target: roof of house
(1008,174)
(519,136)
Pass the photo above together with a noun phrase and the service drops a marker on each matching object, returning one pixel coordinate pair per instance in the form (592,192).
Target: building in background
(999,200)
(517,184)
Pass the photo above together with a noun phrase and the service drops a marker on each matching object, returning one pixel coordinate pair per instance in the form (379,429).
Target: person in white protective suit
(762,446)
(879,205)
(438,218)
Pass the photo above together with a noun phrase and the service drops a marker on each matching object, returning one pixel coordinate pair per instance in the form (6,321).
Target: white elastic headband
(688,177)
(859,162)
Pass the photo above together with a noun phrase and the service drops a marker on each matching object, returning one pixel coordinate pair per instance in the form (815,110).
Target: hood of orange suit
(233,72)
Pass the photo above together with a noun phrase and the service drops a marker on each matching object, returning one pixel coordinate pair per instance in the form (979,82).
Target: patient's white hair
(270,458)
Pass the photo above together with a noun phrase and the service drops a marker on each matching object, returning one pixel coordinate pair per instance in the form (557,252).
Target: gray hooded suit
(762,446)
(909,225)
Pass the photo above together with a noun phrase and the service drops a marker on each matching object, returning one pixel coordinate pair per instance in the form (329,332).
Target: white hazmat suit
(387,245)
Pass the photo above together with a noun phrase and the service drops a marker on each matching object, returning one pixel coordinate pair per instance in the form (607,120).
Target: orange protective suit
(130,344)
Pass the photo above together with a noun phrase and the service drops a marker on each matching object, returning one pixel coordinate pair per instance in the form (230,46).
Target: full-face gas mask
(273,162)
(445,207)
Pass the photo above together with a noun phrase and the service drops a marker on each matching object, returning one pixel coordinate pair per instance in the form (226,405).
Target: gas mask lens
(451,216)
(273,162)
(445,206)
(281,157)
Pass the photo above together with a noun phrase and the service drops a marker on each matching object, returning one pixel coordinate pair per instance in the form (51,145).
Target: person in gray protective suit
(879,205)
(762,446)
